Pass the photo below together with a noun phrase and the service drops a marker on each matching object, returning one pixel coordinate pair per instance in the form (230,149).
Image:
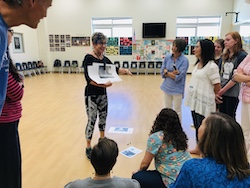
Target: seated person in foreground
(103,158)
(224,162)
(167,144)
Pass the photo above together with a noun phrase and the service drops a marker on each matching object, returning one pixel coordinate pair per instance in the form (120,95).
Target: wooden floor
(54,119)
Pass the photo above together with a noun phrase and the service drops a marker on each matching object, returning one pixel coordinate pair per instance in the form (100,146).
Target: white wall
(73,17)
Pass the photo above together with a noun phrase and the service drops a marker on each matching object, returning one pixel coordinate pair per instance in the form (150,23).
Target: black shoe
(88,152)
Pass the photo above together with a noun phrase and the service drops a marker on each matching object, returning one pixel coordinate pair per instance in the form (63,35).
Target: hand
(127,71)
(135,171)
(165,72)
(108,84)
(176,72)
(218,99)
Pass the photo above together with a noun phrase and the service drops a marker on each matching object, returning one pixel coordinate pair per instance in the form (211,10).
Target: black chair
(57,67)
(142,67)
(82,67)
(117,64)
(134,67)
(19,68)
(66,66)
(125,65)
(158,65)
(151,67)
(74,66)
(26,69)
(31,68)
(36,68)
(42,67)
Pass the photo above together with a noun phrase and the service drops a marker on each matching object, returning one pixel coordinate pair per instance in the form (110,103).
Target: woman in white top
(203,86)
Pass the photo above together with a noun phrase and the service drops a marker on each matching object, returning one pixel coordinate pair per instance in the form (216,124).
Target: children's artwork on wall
(246,44)
(80,41)
(59,43)
(112,50)
(156,49)
(212,38)
(125,41)
(113,41)
(125,50)
(67,41)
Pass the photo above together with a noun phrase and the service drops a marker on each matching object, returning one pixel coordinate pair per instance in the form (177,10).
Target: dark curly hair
(168,121)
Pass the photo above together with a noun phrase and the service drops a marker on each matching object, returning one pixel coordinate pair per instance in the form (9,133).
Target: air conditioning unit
(247,1)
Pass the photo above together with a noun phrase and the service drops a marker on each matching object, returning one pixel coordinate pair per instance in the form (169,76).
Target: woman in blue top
(167,144)
(174,71)
(224,162)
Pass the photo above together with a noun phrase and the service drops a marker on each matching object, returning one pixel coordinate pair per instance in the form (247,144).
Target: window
(113,27)
(198,26)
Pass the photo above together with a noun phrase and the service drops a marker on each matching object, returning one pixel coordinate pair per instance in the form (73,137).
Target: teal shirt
(168,161)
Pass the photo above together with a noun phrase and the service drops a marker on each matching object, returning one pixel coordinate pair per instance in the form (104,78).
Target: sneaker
(88,152)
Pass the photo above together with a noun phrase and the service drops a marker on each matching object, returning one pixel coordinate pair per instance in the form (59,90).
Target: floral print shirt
(168,161)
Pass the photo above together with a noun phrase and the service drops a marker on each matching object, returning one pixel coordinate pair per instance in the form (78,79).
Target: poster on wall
(17,43)
(187,47)
(67,41)
(246,44)
(80,41)
(58,43)
(113,41)
(112,50)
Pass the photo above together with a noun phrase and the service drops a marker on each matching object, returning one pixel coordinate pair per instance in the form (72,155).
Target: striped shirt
(12,109)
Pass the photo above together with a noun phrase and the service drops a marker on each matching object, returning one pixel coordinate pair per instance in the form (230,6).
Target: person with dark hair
(103,159)
(203,86)
(167,144)
(174,71)
(96,100)
(224,161)
(228,95)
(218,50)
(10,157)
(14,13)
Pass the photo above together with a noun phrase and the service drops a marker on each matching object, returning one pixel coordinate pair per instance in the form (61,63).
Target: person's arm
(146,160)
(181,72)
(14,89)
(229,85)
(124,71)
(108,84)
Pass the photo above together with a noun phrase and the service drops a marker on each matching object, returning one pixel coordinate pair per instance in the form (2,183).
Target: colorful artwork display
(80,41)
(151,49)
(112,50)
(246,44)
(113,41)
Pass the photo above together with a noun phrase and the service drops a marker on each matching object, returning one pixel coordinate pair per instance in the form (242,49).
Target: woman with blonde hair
(227,97)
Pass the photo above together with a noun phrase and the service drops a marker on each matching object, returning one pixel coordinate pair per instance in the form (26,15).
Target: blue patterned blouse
(206,173)
(168,161)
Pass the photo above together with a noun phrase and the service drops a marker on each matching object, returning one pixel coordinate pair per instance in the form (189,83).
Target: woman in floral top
(167,144)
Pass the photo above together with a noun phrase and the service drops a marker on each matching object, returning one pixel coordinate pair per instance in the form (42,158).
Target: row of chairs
(137,67)
(67,66)
(31,68)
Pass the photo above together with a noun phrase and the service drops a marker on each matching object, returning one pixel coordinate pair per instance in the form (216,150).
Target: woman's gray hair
(98,38)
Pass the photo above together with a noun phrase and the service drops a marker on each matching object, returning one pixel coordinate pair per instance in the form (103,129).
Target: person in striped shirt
(10,158)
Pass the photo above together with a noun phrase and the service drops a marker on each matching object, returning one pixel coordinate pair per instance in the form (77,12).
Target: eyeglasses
(102,43)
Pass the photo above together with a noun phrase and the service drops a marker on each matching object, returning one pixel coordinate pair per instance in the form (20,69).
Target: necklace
(98,56)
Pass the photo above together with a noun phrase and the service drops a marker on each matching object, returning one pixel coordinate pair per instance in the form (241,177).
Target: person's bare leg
(102,134)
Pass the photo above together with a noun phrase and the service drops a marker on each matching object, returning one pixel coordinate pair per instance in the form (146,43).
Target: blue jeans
(149,179)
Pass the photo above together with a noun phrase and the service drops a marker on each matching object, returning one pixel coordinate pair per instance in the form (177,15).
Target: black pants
(10,156)
(229,105)
(197,119)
